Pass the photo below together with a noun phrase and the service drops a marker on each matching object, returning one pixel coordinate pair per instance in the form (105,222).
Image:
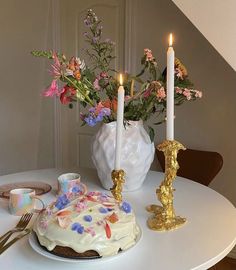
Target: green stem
(141,72)
(88,101)
(88,81)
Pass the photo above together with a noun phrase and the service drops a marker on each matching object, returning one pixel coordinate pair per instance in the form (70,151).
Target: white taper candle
(119,123)
(170,91)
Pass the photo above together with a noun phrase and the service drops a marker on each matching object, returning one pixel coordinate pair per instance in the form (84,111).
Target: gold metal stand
(118,180)
(164,217)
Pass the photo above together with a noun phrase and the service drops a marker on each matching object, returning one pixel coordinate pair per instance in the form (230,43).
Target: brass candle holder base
(160,221)
(118,180)
(164,217)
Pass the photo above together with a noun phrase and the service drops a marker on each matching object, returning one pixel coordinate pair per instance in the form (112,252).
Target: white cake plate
(36,247)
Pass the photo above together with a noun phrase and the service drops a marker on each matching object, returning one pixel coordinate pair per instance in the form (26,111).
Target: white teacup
(70,182)
(22,200)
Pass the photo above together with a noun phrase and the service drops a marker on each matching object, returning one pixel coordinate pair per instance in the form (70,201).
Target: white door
(73,139)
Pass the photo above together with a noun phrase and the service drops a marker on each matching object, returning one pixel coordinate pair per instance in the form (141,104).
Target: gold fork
(20,226)
(18,237)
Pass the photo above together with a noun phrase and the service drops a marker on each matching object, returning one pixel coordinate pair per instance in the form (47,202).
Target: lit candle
(170,91)
(119,123)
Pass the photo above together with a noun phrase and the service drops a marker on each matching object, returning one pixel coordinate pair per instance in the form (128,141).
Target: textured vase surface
(137,154)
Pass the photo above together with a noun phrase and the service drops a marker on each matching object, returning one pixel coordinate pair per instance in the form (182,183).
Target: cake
(89,225)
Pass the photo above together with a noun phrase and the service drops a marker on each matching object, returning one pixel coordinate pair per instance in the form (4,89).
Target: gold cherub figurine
(118,180)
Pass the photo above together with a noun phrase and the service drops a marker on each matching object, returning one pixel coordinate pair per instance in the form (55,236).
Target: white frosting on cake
(93,221)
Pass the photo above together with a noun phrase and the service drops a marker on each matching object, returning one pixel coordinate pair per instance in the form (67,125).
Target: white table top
(208,236)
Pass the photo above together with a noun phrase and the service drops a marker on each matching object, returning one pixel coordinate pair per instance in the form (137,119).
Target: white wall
(216,20)
(26,119)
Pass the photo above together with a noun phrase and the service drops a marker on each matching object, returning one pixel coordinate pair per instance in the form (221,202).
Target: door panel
(77,139)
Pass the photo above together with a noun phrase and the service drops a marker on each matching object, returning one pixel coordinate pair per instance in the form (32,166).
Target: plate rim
(37,248)
(18,185)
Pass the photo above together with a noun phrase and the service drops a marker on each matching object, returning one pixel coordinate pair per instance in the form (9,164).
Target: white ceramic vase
(137,154)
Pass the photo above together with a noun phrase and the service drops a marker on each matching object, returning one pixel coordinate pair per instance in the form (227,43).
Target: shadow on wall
(205,124)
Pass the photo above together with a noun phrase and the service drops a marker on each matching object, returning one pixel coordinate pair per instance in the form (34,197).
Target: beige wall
(26,138)
(216,20)
(26,119)
(208,123)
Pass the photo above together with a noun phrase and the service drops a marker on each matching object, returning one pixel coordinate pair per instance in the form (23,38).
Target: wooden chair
(199,166)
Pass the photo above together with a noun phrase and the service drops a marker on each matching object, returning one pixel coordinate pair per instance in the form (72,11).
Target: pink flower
(149,56)
(179,73)
(82,116)
(90,230)
(56,67)
(64,222)
(127,98)
(43,224)
(198,94)
(161,94)
(187,93)
(81,206)
(178,90)
(99,107)
(67,94)
(52,90)
(103,75)
(93,193)
(96,84)
(147,93)
(100,222)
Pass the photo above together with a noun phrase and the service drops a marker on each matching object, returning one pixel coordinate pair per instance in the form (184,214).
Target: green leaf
(151,133)
(42,54)
(160,122)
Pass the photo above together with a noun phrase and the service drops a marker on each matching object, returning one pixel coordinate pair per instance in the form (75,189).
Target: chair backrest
(199,166)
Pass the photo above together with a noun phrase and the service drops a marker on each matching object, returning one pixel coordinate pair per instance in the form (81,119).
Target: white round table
(207,237)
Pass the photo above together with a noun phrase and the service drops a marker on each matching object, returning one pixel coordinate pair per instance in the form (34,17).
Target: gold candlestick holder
(118,180)
(164,217)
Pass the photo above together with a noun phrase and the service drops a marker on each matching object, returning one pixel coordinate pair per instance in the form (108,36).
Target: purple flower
(126,207)
(108,41)
(76,189)
(99,118)
(92,110)
(61,202)
(103,197)
(95,40)
(90,120)
(87,22)
(106,111)
(96,114)
(103,210)
(88,218)
(77,227)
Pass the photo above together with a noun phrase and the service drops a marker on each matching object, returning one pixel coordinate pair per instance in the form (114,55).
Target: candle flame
(170,39)
(121,79)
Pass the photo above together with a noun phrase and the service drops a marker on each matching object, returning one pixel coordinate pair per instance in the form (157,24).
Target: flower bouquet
(95,85)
